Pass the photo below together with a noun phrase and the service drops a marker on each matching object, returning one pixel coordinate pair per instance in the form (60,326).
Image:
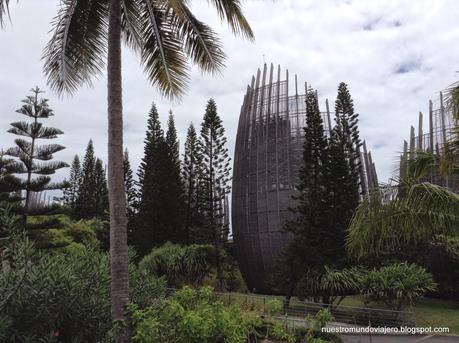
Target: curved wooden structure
(268,155)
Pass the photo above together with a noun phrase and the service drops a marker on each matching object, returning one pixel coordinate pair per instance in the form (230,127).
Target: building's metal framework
(267,159)
(439,132)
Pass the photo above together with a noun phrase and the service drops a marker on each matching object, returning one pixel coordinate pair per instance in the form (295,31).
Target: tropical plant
(191,316)
(165,35)
(32,159)
(329,285)
(397,285)
(180,265)
(418,212)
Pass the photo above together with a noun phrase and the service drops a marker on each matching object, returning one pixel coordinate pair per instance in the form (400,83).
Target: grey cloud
(323,42)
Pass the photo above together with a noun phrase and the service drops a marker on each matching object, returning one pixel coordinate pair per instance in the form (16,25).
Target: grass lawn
(429,312)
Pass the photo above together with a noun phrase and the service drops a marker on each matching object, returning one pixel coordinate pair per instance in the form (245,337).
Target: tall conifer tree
(32,158)
(100,190)
(85,203)
(132,197)
(150,229)
(190,174)
(129,186)
(92,200)
(72,192)
(349,137)
(214,182)
(311,245)
(173,186)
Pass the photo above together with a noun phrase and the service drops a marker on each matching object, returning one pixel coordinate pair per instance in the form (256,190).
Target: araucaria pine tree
(345,164)
(131,195)
(129,186)
(174,193)
(100,190)
(213,183)
(9,183)
(312,245)
(161,200)
(92,201)
(190,174)
(72,191)
(347,122)
(32,159)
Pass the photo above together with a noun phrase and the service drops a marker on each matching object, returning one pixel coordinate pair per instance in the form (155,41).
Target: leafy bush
(63,295)
(397,285)
(191,316)
(274,307)
(180,265)
(330,285)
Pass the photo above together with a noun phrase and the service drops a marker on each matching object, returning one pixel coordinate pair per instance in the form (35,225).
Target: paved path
(399,338)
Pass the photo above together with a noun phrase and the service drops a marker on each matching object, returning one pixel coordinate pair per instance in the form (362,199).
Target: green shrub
(397,285)
(65,295)
(274,307)
(191,316)
(180,265)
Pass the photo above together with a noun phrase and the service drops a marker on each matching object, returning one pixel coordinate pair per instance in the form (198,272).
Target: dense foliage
(181,265)
(328,193)
(66,295)
(91,194)
(191,316)
(397,285)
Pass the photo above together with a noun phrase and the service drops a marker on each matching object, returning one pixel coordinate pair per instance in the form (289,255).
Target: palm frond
(230,11)
(422,165)
(76,51)
(201,43)
(452,100)
(425,210)
(4,11)
(131,24)
(162,53)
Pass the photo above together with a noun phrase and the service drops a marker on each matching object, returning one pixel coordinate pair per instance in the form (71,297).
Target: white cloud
(363,43)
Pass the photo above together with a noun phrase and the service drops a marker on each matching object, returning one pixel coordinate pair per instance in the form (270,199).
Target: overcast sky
(395,56)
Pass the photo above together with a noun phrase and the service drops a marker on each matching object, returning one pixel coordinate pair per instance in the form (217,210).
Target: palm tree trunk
(117,196)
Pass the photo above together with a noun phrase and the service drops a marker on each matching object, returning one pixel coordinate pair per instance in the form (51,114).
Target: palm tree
(165,34)
(414,211)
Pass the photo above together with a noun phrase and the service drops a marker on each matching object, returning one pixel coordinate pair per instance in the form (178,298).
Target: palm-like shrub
(180,265)
(397,285)
(330,285)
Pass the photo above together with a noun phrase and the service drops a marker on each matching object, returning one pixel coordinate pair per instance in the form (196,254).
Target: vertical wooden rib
(420,143)
(431,134)
(328,117)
